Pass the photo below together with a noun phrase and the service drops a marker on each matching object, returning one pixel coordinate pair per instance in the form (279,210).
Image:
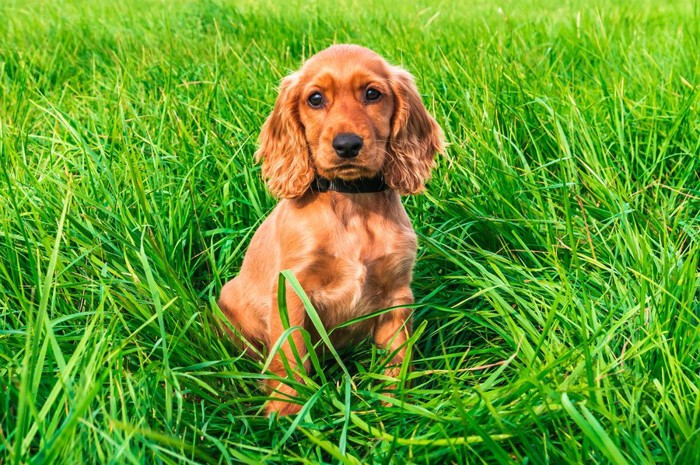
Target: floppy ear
(415,138)
(283,149)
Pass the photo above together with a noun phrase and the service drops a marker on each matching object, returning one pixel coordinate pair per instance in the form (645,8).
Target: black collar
(357,186)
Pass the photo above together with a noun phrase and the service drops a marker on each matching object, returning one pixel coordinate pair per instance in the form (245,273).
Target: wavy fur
(283,150)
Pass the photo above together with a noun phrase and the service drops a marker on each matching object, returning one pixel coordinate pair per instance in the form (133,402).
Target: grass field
(558,310)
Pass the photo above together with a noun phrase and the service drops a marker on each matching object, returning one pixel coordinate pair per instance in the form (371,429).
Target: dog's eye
(372,94)
(315,100)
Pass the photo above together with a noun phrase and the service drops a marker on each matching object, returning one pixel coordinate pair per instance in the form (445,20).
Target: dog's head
(348,114)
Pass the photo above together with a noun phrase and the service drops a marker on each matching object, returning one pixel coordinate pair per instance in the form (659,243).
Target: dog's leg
(250,329)
(393,330)
(280,390)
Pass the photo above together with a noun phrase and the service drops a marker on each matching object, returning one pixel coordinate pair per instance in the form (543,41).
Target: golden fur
(352,253)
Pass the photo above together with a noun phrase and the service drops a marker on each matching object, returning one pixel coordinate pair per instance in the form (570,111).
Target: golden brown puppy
(347,136)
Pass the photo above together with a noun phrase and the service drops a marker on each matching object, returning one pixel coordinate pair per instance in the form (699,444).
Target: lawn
(557,285)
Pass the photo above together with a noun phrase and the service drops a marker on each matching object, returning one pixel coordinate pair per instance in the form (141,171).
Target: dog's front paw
(282,408)
(280,402)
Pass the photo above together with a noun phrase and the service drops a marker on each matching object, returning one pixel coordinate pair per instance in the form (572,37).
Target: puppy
(348,135)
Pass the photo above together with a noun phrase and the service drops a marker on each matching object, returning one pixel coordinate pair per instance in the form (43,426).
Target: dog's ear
(283,150)
(415,138)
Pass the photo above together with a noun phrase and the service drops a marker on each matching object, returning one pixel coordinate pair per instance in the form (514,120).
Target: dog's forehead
(346,61)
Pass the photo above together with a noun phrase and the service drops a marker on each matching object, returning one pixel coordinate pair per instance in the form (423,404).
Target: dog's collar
(357,186)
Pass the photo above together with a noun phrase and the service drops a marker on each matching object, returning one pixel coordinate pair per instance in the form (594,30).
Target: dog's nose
(347,145)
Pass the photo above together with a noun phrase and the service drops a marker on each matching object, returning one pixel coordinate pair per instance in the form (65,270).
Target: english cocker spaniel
(348,135)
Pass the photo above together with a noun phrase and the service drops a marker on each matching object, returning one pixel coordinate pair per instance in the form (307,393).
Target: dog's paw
(282,408)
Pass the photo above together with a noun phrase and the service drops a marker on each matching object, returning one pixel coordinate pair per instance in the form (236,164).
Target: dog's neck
(356,186)
(386,202)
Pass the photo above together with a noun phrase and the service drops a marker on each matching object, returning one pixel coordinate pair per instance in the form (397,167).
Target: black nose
(347,145)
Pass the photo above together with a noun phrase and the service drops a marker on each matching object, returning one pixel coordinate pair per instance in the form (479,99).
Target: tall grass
(558,309)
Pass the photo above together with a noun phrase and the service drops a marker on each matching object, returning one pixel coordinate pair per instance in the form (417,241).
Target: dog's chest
(371,258)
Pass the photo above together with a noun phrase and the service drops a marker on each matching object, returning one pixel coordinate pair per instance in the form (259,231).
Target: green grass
(557,281)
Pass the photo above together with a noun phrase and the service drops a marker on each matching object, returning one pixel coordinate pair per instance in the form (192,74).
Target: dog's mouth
(348,172)
(328,164)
